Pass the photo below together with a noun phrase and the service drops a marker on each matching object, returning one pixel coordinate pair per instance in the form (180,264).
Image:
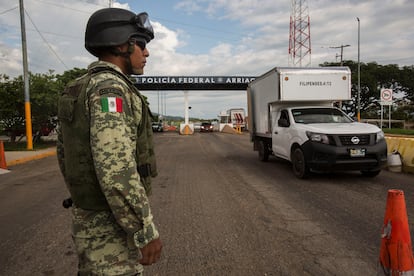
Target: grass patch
(22,145)
(399,131)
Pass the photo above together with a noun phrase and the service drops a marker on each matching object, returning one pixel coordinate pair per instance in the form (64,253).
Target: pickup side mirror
(283,123)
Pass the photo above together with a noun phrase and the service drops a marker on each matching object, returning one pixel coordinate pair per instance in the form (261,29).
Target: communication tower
(299,35)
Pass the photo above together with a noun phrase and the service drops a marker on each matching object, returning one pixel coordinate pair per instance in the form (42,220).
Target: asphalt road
(219,210)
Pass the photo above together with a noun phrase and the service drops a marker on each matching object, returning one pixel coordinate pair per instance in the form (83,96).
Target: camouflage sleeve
(59,150)
(113,126)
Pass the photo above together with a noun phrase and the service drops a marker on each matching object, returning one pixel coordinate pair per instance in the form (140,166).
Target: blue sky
(210,37)
(198,28)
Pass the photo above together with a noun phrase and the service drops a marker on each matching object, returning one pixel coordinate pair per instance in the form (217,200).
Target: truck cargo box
(299,84)
(294,84)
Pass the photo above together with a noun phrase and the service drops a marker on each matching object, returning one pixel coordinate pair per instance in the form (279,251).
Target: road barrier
(396,254)
(228,129)
(394,162)
(238,129)
(405,147)
(186,129)
(3,164)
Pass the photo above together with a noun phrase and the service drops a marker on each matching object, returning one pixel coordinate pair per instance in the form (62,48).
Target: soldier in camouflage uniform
(105,149)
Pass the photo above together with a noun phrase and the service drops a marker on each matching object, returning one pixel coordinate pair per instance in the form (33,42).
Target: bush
(398,131)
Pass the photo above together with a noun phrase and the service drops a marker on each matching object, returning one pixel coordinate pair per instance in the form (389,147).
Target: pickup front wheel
(300,169)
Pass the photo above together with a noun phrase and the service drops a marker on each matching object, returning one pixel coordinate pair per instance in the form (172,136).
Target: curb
(14,162)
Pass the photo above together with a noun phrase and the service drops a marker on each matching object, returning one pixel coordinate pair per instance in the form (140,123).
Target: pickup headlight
(379,136)
(318,137)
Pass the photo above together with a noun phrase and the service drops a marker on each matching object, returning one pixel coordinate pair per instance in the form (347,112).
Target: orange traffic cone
(3,164)
(396,254)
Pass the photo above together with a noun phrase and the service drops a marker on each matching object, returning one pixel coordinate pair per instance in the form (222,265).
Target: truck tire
(299,166)
(263,151)
(370,173)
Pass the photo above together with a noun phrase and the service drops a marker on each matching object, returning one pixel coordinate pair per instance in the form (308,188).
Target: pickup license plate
(357,152)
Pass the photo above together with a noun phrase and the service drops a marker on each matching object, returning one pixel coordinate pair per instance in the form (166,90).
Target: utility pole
(27,110)
(342,51)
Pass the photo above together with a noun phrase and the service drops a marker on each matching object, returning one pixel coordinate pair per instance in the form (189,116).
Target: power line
(5,26)
(6,11)
(70,8)
(196,26)
(44,40)
(226,38)
(155,18)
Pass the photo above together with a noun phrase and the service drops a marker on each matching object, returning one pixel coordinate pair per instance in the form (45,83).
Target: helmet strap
(127,56)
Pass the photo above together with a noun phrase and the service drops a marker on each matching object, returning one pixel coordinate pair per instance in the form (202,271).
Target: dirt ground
(219,211)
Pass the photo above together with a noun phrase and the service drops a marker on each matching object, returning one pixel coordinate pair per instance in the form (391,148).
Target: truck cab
(323,138)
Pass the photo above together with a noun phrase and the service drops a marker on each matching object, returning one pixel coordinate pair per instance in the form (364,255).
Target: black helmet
(112,27)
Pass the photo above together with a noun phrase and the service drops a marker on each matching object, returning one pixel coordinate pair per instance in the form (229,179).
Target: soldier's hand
(151,253)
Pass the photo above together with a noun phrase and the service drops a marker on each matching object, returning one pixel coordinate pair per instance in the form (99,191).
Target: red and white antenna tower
(299,36)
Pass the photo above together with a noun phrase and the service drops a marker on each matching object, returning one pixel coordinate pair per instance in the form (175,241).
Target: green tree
(12,105)
(373,78)
(68,76)
(44,90)
(43,99)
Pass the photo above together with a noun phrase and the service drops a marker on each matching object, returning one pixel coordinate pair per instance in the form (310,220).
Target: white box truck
(292,115)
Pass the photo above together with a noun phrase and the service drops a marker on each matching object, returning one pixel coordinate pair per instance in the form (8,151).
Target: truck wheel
(370,173)
(300,169)
(263,151)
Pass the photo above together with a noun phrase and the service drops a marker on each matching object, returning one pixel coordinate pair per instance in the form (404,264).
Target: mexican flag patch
(111,104)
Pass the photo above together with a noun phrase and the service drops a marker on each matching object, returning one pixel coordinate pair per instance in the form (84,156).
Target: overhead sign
(386,96)
(192,82)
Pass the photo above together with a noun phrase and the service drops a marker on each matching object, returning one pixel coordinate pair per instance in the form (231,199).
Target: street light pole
(359,76)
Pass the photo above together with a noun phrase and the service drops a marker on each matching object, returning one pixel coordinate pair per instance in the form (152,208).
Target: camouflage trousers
(103,248)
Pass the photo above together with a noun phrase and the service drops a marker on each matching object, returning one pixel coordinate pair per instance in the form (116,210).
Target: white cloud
(188,6)
(10,60)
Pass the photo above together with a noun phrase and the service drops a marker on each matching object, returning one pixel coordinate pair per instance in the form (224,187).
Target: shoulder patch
(111,104)
(110,90)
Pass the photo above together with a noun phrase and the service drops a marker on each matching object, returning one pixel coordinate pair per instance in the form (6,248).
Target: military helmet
(113,26)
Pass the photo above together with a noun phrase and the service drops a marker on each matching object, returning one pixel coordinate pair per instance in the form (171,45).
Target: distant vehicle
(206,127)
(197,126)
(157,127)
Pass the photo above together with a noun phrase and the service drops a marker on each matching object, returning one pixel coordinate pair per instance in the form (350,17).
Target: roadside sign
(386,96)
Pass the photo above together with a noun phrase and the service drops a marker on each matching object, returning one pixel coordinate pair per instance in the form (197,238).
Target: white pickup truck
(292,116)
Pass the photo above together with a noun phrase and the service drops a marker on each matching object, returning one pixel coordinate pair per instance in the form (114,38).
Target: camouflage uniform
(108,241)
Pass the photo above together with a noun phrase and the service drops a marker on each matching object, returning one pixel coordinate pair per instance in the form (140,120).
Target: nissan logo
(355,140)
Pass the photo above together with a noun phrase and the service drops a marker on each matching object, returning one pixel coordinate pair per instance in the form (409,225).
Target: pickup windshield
(319,115)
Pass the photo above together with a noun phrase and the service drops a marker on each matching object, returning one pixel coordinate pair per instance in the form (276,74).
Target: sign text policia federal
(192,82)
(174,80)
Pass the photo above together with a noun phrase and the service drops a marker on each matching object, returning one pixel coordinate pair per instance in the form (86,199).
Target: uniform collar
(99,65)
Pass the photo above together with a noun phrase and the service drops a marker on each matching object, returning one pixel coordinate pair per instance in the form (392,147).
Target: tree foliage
(374,77)
(45,89)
